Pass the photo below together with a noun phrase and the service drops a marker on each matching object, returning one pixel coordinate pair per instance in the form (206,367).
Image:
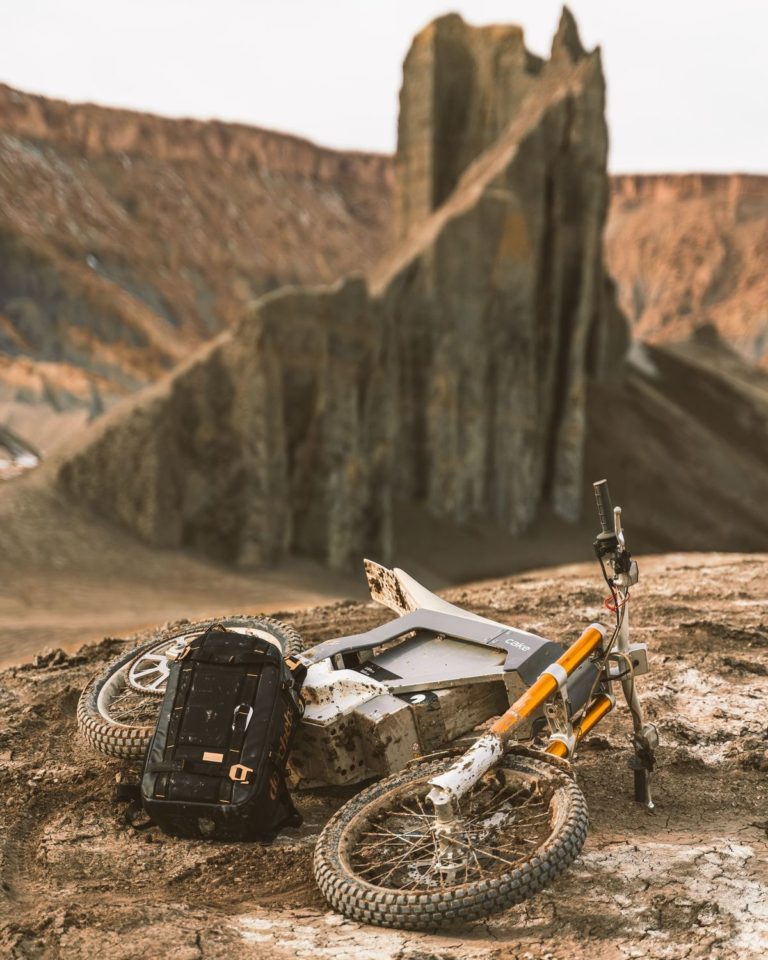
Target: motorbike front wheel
(380,860)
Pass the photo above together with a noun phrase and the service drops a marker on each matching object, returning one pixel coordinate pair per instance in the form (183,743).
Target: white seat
(424,599)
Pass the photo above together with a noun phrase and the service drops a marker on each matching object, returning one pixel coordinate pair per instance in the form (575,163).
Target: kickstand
(642,763)
(643,788)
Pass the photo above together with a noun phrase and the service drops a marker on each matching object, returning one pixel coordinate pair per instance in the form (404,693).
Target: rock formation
(454,377)
(461,87)
(692,250)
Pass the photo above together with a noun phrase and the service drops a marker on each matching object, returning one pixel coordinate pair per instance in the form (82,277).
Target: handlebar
(604,505)
(610,543)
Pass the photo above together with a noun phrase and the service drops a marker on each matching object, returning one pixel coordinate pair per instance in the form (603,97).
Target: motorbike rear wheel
(380,861)
(118,709)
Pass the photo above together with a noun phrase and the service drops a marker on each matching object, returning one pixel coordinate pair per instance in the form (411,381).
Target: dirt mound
(691,250)
(82,877)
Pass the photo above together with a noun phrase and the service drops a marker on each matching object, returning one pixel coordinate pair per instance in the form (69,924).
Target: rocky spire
(566,40)
(461,87)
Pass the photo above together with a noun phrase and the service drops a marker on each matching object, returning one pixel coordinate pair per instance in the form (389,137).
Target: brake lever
(617,528)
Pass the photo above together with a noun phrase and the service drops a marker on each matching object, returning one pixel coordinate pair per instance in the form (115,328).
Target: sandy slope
(67,578)
(82,879)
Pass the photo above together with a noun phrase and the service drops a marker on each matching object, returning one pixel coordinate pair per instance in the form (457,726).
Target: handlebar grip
(604,505)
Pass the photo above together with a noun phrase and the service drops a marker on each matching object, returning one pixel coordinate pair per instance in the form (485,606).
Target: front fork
(449,786)
(485,753)
(611,550)
(551,688)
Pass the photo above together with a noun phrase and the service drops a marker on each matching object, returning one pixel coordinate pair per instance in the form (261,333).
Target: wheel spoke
(131,707)
(485,853)
(400,813)
(477,864)
(391,833)
(408,852)
(397,864)
(145,673)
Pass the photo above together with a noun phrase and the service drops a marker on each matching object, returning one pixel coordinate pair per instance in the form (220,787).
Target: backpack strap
(236,772)
(167,765)
(297,668)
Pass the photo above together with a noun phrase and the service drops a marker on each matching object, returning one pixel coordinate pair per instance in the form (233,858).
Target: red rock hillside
(692,250)
(126,239)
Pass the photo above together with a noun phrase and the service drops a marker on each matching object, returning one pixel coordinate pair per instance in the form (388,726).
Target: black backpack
(215,767)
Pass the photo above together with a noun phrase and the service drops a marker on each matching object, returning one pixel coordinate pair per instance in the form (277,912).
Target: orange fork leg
(599,707)
(547,683)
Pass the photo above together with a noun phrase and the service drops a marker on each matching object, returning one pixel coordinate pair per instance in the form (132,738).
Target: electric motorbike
(458,823)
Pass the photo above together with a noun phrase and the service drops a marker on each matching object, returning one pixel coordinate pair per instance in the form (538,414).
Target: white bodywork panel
(411,698)
(329,693)
(398,591)
(424,599)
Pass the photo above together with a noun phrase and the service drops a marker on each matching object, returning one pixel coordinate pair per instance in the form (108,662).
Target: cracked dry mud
(81,877)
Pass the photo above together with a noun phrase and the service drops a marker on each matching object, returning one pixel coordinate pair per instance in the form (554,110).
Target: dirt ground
(81,877)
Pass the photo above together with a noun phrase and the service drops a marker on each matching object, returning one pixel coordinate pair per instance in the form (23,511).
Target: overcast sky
(687,79)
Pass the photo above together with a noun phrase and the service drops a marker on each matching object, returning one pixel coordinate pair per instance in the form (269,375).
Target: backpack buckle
(241,716)
(239,772)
